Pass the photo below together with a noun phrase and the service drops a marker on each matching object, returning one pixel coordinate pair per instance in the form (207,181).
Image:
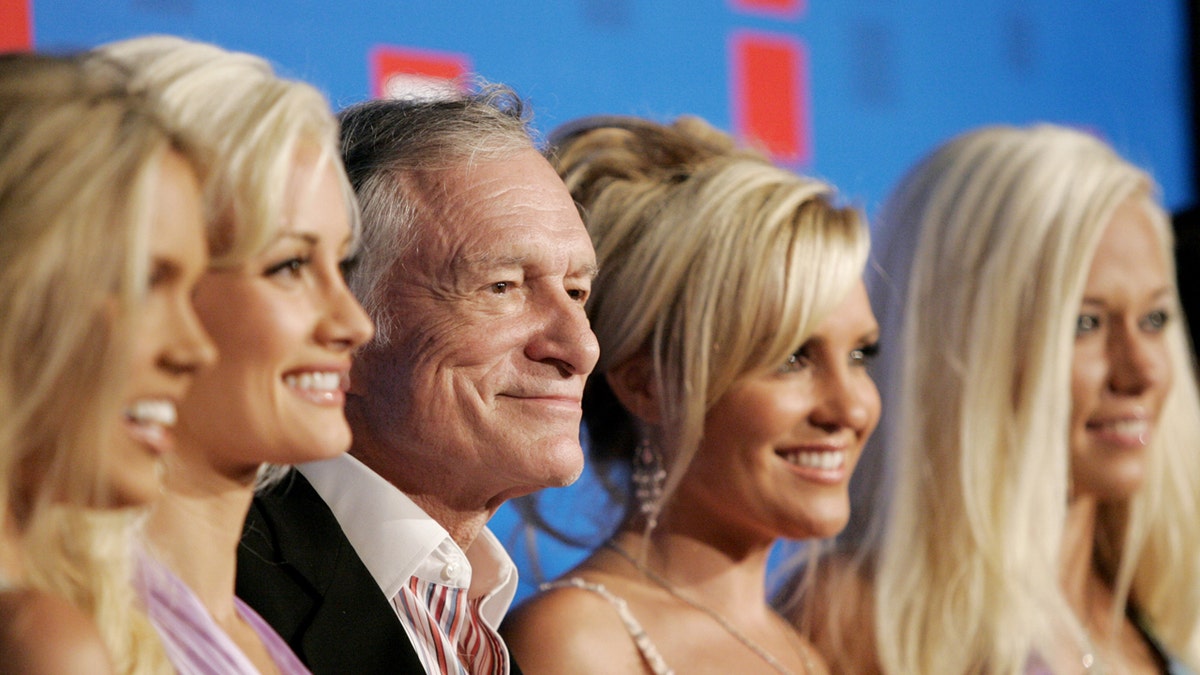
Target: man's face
(477,397)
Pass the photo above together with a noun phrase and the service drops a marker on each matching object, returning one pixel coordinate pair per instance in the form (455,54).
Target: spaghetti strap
(646,648)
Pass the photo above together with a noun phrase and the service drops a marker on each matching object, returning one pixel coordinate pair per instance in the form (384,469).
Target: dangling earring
(648,478)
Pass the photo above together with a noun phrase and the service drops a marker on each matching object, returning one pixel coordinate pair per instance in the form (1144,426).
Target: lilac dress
(193,641)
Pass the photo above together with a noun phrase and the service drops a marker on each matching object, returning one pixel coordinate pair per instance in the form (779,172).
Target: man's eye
(500,287)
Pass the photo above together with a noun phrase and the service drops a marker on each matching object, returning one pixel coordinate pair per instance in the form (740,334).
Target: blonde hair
(712,261)
(251,123)
(967,578)
(80,162)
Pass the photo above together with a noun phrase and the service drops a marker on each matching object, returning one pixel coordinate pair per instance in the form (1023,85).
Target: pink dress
(193,641)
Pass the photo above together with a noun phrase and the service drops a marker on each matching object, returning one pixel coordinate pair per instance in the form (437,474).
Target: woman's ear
(634,385)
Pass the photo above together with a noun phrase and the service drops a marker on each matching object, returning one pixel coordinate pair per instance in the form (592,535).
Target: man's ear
(634,385)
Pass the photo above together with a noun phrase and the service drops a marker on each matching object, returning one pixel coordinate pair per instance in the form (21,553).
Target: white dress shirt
(397,540)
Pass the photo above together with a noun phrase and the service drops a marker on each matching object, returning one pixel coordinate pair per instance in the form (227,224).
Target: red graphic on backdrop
(400,71)
(781,8)
(16,26)
(770,93)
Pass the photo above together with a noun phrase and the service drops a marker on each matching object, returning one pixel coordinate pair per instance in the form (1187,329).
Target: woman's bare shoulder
(42,633)
(572,626)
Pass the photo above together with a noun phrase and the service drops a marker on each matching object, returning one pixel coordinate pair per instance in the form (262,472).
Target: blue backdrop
(875,83)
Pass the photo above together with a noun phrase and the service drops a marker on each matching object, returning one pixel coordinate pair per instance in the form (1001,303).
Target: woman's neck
(195,529)
(12,567)
(1078,554)
(1113,640)
(720,573)
(1086,588)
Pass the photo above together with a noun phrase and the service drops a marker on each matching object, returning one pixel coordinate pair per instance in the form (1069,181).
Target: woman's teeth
(314,381)
(151,412)
(1130,427)
(831,459)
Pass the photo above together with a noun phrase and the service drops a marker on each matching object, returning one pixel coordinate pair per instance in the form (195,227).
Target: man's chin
(568,478)
(570,465)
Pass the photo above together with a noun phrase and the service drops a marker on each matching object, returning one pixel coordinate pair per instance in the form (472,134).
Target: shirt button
(451,570)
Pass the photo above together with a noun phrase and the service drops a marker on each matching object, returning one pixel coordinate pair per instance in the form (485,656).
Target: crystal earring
(648,478)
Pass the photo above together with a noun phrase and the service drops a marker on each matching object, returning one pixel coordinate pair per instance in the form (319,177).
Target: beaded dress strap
(645,647)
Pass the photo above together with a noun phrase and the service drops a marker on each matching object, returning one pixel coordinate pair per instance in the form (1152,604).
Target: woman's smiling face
(169,346)
(286,326)
(1121,369)
(779,447)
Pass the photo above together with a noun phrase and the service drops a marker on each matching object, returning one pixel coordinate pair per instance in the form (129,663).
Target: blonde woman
(101,243)
(276,306)
(1045,516)
(734,330)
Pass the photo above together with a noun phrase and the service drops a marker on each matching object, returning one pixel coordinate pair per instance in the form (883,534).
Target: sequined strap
(645,647)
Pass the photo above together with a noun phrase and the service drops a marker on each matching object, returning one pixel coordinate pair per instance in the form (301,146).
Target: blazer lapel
(298,570)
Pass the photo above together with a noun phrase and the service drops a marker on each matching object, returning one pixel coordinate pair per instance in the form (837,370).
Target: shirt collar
(397,540)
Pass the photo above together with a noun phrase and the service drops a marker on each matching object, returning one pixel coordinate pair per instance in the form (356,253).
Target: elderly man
(475,266)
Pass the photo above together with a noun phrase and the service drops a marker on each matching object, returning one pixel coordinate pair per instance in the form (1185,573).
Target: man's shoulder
(298,570)
(290,510)
(290,541)
(289,494)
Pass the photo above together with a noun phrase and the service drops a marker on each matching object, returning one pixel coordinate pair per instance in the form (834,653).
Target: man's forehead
(522,174)
(508,201)
(522,245)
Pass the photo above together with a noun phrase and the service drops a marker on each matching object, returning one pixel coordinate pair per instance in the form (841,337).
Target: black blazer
(297,569)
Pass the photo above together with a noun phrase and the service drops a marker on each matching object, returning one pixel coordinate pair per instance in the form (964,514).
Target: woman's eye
(160,272)
(500,287)
(864,355)
(1086,323)
(1155,321)
(796,362)
(290,267)
(577,294)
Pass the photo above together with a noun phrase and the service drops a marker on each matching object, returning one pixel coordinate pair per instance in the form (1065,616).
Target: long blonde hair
(967,578)
(80,162)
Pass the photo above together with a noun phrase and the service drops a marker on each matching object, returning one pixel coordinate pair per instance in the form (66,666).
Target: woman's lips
(149,421)
(1122,432)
